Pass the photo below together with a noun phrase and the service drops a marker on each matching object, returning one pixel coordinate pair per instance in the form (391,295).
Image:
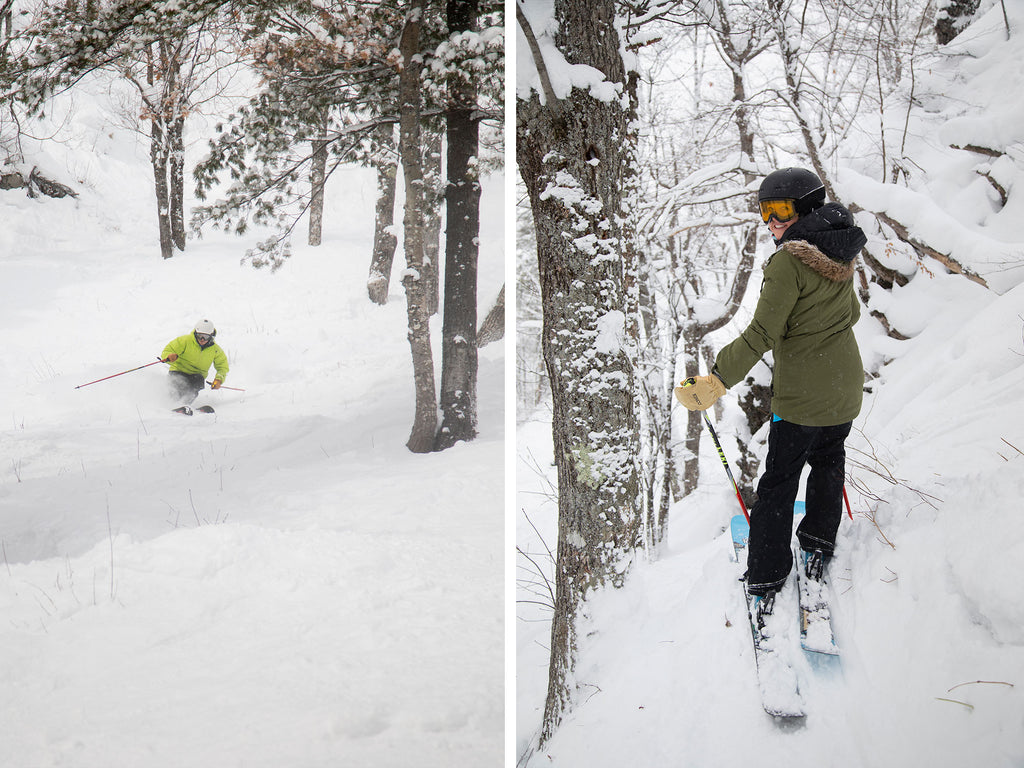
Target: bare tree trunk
(696,331)
(384,240)
(161,143)
(432,199)
(421,439)
(158,161)
(6,21)
(585,148)
(459,344)
(317,177)
(791,65)
(176,181)
(493,326)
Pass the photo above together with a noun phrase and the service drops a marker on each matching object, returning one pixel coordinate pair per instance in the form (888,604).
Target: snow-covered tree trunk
(421,439)
(433,197)
(953,16)
(164,107)
(576,158)
(176,180)
(458,344)
(384,239)
(158,160)
(6,20)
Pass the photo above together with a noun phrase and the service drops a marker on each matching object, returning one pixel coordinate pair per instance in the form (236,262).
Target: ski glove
(700,392)
(171,358)
(216,384)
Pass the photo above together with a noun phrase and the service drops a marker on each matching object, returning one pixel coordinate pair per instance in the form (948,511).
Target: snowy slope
(669,675)
(281,583)
(928,610)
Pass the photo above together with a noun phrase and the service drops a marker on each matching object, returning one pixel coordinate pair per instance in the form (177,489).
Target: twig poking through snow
(110,537)
(980,682)
(954,701)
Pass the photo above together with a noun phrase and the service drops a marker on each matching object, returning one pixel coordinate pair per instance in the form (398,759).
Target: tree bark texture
(576,158)
(421,438)
(158,161)
(166,149)
(317,177)
(493,327)
(459,344)
(433,196)
(384,240)
(176,180)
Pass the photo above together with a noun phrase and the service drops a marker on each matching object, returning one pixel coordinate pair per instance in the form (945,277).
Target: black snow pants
(185,387)
(790,446)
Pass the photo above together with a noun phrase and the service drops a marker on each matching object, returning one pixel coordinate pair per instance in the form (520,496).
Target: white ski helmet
(206,328)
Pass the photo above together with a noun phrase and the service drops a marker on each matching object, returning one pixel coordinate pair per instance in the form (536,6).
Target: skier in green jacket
(190,357)
(804,316)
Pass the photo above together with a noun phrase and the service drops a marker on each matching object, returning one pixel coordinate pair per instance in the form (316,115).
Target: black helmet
(797,184)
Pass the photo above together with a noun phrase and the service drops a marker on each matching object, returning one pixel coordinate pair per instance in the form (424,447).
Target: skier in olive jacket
(190,357)
(805,316)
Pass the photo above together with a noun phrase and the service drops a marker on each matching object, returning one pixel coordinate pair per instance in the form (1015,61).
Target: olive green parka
(805,316)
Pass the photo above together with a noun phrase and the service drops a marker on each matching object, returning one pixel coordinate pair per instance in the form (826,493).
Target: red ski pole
(122,373)
(725,463)
(224,386)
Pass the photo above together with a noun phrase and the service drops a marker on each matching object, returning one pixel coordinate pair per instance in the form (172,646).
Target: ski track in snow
(280,583)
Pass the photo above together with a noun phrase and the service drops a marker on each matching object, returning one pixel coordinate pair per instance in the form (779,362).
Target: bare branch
(552,101)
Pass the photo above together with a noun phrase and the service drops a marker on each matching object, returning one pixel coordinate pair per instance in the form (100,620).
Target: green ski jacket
(194,359)
(805,316)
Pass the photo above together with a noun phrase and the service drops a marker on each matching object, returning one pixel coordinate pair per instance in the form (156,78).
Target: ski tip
(789,721)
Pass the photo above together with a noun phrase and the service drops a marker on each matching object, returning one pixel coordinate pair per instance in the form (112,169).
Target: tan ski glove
(700,392)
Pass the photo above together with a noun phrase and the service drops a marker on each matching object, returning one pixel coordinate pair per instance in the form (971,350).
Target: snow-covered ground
(281,583)
(668,678)
(927,606)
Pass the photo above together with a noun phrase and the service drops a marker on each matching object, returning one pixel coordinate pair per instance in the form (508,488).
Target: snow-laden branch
(551,100)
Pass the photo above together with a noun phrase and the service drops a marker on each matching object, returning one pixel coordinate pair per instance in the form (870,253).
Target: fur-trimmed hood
(837,271)
(831,231)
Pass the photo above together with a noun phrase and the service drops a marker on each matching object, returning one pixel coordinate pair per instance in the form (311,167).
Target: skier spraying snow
(805,315)
(190,357)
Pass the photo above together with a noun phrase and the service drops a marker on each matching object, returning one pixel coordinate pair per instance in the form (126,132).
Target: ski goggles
(202,338)
(782,210)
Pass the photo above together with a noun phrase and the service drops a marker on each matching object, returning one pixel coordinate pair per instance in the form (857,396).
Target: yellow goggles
(782,210)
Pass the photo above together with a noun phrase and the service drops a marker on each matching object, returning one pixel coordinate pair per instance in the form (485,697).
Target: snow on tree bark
(459,344)
(421,439)
(384,239)
(576,158)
